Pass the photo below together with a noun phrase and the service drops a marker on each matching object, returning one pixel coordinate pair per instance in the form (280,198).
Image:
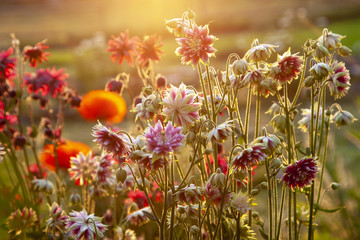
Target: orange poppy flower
(64,152)
(100,104)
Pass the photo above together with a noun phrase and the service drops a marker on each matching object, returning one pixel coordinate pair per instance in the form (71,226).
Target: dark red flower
(222,163)
(7,64)
(249,157)
(122,47)
(138,197)
(149,49)
(289,66)
(36,54)
(300,173)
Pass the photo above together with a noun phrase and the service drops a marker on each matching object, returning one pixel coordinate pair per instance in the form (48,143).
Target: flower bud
(208,151)
(344,51)
(320,51)
(194,230)
(121,175)
(19,141)
(75,199)
(309,81)
(161,82)
(263,185)
(255,192)
(240,67)
(276,163)
(335,185)
(320,70)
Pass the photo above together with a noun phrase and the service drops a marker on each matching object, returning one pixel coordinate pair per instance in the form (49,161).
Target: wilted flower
(100,104)
(162,141)
(36,54)
(343,118)
(180,105)
(288,67)
(300,173)
(7,64)
(196,45)
(221,132)
(147,108)
(81,225)
(340,81)
(122,47)
(274,109)
(330,40)
(138,217)
(112,142)
(240,202)
(259,52)
(18,221)
(57,220)
(249,157)
(83,168)
(279,123)
(189,194)
(149,49)
(44,186)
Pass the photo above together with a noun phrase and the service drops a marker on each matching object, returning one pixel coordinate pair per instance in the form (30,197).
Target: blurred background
(78,30)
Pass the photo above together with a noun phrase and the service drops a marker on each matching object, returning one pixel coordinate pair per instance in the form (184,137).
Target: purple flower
(300,173)
(250,157)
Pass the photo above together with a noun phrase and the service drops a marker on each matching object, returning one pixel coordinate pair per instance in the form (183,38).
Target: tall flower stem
(257,122)
(281,212)
(172,205)
(270,210)
(204,90)
(247,121)
(163,218)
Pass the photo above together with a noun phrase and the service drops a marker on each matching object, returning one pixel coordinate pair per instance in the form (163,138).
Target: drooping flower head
(122,47)
(64,152)
(36,54)
(305,121)
(44,186)
(7,64)
(147,108)
(180,105)
(270,141)
(340,80)
(149,49)
(103,105)
(114,143)
(57,220)
(163,140)
(83,168)
(2,152)
(221,132)
(197,45)
(300,173)
(213,194)
(190,195)
(288,67)
(83,226)
(249,157)
(343,118)
(138,217)
(105,172)
(330,40)
(259,52)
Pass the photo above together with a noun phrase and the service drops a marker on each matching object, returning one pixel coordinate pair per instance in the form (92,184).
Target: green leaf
(330,210)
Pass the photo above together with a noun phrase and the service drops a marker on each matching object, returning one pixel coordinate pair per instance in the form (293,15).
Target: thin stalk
(275,202)
(238,223)
(281,212)
(270,210)
(172,205)
(289,214)
(295,218)
(204,91)
(257,122)
(297,94)
(247,121)
(163,218)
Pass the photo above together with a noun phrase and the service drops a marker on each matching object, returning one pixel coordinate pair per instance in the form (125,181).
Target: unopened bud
(255,192)
(121,175)
(344,51)
(75,199)
(263,185)
(309,81)
(208,151)
(320,51)
(335,185)
(240,66)
(194,230)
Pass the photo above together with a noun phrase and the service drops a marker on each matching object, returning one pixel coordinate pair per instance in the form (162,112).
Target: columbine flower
(18,221)
(162,141)
(304,123)
(44,186)
(110,141)
(267,87)
(100,104)
(249,157)
(83,168)
(240,66)
(180,106)
(196,45)
(149,49)
(138,217)
(57,220)
(105,172)
(330,40)
(147,108)
(288,67)
(189,194)
(214,194)
(300,173)
(320,70)
(279,123)
(36,54)
(221,132)
(84,226)
(340,80)
(7,64)
(343,118)
(122,47)
(270,141)
(259,52)
(2,152)
(254,76)
(240,203)
(46,81)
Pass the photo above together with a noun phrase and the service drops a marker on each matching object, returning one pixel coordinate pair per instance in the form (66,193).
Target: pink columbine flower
(149,49)
(340,80)
(259,52)
(190,195)
(196,46)
(214,194)
(300,173)
(112,142)
(122,47)
(83,168)
(180,106)
(161,141)
(305,121)
(105,173)
(36,54)
(57,220)
(221,132)
(138,217)
(254,76)
(249,157)
(270,141)
(7,64)
(240,202)
(288,67)
(83,226)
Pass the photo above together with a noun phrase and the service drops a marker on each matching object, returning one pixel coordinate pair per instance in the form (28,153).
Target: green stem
(257,123)
(204,91)
(289,214)
(297,94)
(281,211)
(269,199)
(295,218)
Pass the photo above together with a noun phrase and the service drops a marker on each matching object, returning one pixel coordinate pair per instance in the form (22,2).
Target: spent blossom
(343,118)
(300,173)
(240,202)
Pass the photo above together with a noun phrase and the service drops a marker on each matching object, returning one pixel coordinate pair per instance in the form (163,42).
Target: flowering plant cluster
(188,166)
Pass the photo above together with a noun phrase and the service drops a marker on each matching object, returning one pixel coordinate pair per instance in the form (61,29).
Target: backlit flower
(147,108)
(19,221)
(221,132)
(214,194)
(83,167)
(180,105)
(254,76)
(162,141)
(100,104)
(36,54)
(330,40)
(343,118)
(7,64)
(114,143)
(83,226)
(64,151)
(57,220)
(340,80)
(288,67)
(105,172)
(122,47)
(270,141)
(149,49)
(300,173)
(305,121)
(240,203)
(138,217)
(44,186)
(196,46)
(259,52)
(190,195)
(249,157)
(320,70)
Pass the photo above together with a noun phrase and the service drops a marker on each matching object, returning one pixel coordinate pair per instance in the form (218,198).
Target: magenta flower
(83,168)
(57,220)
(7,64)
(288,67)
(138,217)
(340,80)
(250,157)
(196,46)
(300,173)
(162,141)
(214,194)
(122,47)
(105,173)
(190,195)
(36,54)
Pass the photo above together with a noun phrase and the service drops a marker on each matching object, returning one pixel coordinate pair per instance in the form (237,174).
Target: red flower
(288,68)
(7,64)
(138,197)
(100,104)
(249,157)
(46,81)
(36,54)
(149,49)
(64,152)
(122,47)
(300,173)
(196,46)
(222,163)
